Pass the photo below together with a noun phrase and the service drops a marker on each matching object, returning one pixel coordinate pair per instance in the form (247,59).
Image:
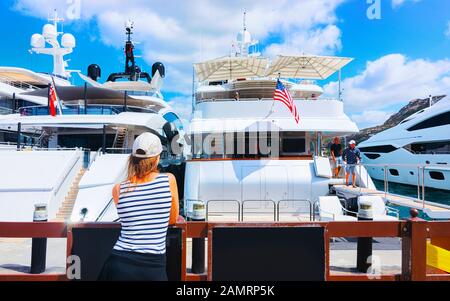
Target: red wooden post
(414,248)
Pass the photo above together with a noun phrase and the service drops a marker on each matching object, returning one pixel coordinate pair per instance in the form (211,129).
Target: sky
(401,48)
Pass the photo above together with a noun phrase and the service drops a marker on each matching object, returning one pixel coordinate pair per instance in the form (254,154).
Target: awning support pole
(85,98)
(104,140)
(340,90)
(19,134)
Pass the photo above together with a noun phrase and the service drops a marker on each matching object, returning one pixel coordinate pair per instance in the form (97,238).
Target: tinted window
(394,172)
(378,149)
(372,156)
(293,145)
(439,120)
(437,175)
(440,147)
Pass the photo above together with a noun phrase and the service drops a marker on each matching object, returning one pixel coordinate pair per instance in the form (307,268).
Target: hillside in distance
(412,107)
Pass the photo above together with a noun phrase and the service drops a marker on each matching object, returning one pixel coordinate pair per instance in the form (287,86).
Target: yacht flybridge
(15,81)
(97,124)
(246,147)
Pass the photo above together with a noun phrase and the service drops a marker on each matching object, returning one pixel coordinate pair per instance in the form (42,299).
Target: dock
(433,210)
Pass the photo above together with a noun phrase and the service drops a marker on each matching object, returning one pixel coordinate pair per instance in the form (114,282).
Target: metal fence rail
(254,201)
(309,202)
(230,201)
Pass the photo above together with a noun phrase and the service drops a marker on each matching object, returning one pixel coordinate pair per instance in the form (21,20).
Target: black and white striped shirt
(144,211)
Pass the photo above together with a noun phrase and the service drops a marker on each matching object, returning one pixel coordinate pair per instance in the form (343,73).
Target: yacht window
(372,156)
(440,147)
(437,175)
(293,144)
(231,146)
(394,172)
(384,149)
(438,120)
(91,141)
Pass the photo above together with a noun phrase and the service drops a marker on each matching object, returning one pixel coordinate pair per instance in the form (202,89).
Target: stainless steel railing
(312,215)
(208,205)
(421,176)
(240,212)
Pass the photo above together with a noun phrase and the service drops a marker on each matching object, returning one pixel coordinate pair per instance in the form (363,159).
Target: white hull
(407,164)
(420,141)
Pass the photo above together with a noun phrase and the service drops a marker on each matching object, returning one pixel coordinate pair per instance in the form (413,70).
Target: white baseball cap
(148,143)
(352,142)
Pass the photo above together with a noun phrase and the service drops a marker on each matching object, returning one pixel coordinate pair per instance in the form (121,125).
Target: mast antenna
(55,19)
(245,20)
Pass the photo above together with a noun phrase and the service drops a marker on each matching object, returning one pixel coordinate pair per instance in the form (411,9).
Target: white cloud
(370,118)
(397,3)
(391,80)
(317,41)
(182,105)
(179,33)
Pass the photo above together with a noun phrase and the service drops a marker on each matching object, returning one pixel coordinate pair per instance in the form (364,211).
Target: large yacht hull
(405,168)
(415,152)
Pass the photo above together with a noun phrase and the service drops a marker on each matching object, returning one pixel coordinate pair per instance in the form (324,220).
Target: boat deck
(395,199)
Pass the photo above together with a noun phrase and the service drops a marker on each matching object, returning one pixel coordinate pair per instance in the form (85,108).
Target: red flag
(52,99)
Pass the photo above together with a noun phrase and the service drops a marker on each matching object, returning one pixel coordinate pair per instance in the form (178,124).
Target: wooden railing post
(414,248)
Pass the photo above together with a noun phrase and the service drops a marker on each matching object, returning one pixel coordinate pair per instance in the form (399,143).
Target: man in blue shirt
(351,157)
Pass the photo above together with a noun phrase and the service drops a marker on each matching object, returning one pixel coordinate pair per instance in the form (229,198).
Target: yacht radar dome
(244,41)
(56,50)
(68,41)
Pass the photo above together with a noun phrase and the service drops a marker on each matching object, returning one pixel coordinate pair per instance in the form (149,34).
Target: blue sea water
(431,195)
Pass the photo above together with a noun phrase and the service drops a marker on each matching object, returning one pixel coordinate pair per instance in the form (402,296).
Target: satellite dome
(37,41)
(244,37)
(68,41)
(49,31)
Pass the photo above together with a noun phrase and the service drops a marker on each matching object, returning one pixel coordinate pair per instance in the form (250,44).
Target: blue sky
(403,55)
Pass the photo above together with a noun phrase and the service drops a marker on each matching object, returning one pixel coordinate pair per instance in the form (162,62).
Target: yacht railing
(104,210)
(310,204)
(421,178)
(260,201)
(15,83)
(275,206)
(258,99)
(208,206)
(69,109)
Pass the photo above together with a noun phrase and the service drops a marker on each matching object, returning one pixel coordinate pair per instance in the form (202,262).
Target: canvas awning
(306,66)
(94,95)
(227,68)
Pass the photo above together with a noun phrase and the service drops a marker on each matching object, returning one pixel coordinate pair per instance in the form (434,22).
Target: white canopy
(306,66)
(231,68)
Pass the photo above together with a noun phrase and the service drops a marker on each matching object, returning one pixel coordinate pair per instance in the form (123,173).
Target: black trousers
(131,266)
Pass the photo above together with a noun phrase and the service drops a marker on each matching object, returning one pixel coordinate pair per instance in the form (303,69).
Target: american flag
(283,95)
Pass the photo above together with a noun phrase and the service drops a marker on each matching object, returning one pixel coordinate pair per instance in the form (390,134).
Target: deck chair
(330,209)
(379,209)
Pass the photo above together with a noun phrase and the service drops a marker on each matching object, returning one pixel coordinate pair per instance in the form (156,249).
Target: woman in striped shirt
(147,203)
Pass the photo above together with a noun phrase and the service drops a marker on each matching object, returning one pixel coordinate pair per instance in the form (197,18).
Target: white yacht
(15,80)
(72,160)
(247,148)
(417,151)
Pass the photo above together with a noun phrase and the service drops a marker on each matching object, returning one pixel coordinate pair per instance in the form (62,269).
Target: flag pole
(48,99)
(273,100)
